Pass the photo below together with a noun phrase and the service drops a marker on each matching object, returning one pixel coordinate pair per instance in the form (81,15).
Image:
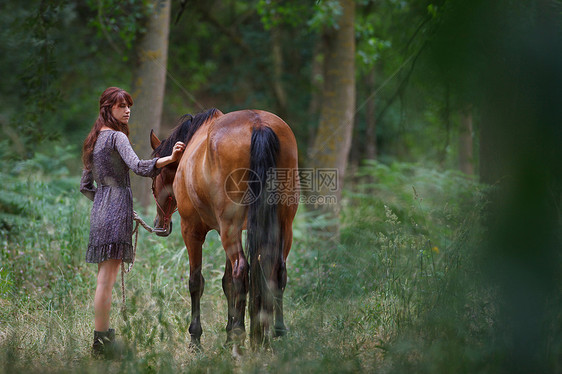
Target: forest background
(442,118)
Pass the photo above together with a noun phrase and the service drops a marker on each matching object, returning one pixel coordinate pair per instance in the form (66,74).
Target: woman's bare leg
(107,274)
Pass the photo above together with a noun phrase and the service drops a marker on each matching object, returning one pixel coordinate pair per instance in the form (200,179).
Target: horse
(238,171)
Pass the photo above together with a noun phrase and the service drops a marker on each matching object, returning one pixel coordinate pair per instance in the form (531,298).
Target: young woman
(107,156)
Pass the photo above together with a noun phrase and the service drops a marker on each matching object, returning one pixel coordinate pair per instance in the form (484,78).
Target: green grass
(401,292)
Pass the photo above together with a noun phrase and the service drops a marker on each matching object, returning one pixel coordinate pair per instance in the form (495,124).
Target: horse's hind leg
(227,288)
(287,240)
(280,329)
(235,283)
(194,242)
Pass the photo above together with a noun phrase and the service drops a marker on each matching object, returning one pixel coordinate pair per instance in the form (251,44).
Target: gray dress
(111,219)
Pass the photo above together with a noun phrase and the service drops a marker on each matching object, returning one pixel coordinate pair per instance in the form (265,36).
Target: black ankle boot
(103,344)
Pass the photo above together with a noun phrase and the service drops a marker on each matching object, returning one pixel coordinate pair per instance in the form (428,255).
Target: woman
(107,156)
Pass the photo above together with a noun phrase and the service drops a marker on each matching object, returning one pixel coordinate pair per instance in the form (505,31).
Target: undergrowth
(400,292)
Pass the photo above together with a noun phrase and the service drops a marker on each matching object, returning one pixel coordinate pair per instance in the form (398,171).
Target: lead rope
(139,221)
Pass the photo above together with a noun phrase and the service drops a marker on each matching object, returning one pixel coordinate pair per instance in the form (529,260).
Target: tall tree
(149,81)
(370,119)
(277,78)
(333,138)
(372,42)
(466,160)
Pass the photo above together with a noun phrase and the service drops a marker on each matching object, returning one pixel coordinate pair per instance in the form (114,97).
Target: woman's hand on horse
(177,151)
(179,147)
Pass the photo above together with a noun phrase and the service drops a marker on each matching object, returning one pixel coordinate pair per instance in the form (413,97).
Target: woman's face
(121,111)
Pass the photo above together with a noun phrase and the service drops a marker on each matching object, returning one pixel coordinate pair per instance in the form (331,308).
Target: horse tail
(263,232)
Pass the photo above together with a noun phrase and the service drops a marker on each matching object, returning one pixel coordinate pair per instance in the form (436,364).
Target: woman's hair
(109,97)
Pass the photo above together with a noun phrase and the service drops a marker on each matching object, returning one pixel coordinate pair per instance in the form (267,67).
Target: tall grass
(401,292)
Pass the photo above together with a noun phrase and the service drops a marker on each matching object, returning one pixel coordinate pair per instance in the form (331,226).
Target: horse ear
(154,141)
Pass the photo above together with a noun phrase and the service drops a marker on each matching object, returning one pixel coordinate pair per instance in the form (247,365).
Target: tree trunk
(466,164)
(316,85)
(492,146)
(371,119)
(333,139)
(277,79)
(149,81)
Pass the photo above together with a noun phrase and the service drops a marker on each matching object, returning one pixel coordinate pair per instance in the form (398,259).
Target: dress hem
(112,251)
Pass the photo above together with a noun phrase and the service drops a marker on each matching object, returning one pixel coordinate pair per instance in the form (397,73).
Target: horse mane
(184,131)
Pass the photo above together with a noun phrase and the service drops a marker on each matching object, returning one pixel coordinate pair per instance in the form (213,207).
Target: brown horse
(238,171)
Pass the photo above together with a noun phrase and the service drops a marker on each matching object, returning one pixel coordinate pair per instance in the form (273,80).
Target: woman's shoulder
(107,133)
(110,131)
(120,137)
(117,135)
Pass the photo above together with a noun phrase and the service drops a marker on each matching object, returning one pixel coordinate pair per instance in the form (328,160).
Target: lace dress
(111,218)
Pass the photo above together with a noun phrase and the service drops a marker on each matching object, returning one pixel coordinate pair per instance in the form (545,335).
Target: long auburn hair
(109,97)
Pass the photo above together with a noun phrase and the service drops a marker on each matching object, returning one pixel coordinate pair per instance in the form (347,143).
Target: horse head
(163,192)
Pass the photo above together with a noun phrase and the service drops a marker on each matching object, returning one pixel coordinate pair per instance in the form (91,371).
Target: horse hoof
(280,331)
(237,352)
(195,346)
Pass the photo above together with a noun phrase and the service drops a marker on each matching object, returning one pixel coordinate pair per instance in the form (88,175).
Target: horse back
(218,161)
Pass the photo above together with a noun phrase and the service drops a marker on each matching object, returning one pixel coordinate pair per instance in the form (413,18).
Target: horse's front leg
(194,240)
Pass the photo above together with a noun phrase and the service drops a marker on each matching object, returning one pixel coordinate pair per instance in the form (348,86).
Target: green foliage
(126,19)
(31,36)
(401,292)
(219,56)
(24,185)
(432,202)
(279,13)
(371,42)
(415,216)
(369,52)
(40,227)
(413,232)
(326,15)
(53,66)
(413,284)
